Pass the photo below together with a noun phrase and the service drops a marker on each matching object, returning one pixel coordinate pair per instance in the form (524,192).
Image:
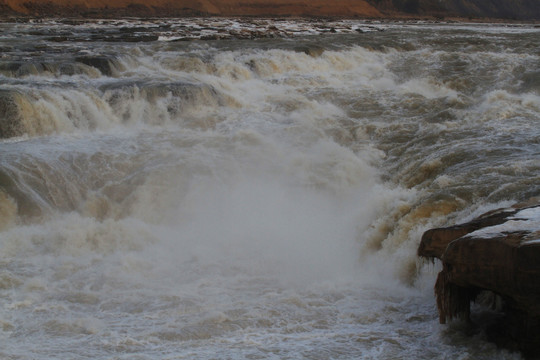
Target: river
(251,189)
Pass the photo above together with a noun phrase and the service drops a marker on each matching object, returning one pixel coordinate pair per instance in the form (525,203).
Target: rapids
(228,189)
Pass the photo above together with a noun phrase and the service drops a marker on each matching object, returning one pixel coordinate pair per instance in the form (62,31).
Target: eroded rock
(498,252)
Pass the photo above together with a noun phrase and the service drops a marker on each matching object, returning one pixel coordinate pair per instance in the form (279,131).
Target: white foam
(527,220)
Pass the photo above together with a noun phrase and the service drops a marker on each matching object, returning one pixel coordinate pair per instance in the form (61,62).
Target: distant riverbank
(166,8)
(509,10)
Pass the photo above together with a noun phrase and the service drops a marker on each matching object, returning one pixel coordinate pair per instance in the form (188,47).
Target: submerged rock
(498,252)
(10,118)
(102,63)
(311,50)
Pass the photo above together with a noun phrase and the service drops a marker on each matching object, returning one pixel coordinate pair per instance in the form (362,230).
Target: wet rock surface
(497,253)
(52,34)
(10,122)
(102,63)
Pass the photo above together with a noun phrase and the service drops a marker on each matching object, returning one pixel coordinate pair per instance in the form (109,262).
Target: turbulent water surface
(257,192)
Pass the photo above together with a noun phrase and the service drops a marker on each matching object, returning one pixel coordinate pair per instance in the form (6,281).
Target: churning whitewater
(227,189)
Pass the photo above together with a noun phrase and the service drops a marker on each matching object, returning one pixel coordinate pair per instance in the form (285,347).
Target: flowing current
(256,192)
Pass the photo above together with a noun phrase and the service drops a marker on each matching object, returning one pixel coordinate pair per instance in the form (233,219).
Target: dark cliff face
(501,9)
(506,9)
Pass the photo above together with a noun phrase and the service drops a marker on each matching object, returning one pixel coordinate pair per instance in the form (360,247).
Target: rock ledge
(497,253)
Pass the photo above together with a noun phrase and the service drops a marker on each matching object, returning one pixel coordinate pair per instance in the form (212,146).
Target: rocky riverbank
(497,257)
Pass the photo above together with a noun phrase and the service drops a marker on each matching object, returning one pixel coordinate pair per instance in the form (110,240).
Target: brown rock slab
(498,252)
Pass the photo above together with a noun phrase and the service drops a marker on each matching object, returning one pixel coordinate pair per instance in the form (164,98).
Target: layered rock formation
(497,253)
(504,9)
(143,8)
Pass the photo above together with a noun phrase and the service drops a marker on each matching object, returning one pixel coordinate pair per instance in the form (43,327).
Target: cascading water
(241,199)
